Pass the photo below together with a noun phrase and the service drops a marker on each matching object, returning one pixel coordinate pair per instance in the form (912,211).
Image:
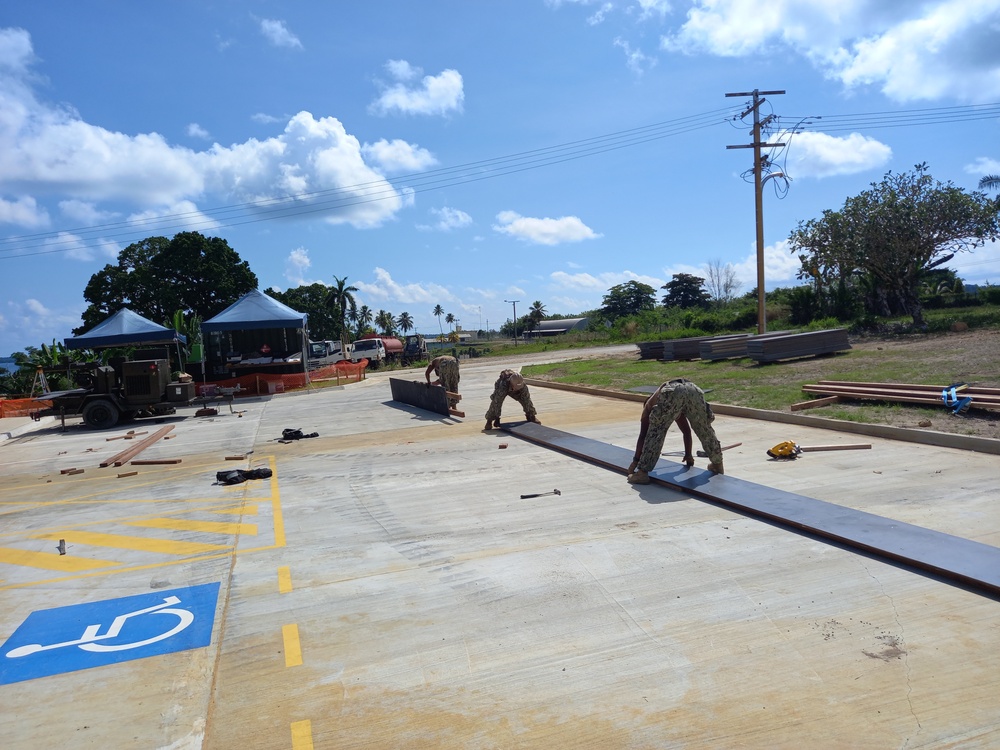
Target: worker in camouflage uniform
(679,401)
(510,383)
(446,368)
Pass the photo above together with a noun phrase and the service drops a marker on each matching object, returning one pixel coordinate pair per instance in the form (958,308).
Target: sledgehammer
(541,494)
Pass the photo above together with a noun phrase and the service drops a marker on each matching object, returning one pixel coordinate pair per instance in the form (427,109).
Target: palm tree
(438,311)
(339,299)
(990,182)
(536,313)
(363,318)
(449,319)
(385,322)
(405,322)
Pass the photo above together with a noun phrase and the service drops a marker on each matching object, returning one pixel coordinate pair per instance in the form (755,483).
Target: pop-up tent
(257,312)
(125,328)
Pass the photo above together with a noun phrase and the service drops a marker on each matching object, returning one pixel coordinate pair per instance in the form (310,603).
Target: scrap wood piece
(154,461)
(702,454)
(453,396)
(235,458)
(71,471)
(126,455)
(815,402)
(67,471)
(128,474)
(456,413)
(854,447)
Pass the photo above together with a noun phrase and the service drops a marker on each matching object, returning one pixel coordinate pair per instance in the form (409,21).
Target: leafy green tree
(437,312)
(889,236)
(340,301)
(629,298)
(314,300)
(363,319)
(405,322)
(685,290)
(158,276)
(385,322)
(536,314)
(450,320)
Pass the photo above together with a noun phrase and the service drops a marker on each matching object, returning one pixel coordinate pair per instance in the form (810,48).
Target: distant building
(556,327)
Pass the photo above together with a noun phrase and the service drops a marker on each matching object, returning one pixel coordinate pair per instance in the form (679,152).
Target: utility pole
(758,185)
(514,303)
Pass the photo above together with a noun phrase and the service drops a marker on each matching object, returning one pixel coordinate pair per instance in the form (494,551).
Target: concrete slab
(387,587)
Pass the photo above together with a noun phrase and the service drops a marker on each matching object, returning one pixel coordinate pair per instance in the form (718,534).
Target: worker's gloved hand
(688,460)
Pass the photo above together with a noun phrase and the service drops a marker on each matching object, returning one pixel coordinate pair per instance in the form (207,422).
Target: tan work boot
(488,427)
(638,477)
(716,468)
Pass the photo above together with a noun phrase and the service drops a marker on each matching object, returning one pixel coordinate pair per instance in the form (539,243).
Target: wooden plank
(815,402)
(943,556)
(135,450)
(154,461)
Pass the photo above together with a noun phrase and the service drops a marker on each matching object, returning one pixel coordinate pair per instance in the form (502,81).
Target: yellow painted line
(52,560)
(141,543)
(293,649)
(249,510)
(284,579)
(278,520)
(302,735)
(180,524)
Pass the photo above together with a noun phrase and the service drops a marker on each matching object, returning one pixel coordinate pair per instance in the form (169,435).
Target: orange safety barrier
(262,384)
(21,407)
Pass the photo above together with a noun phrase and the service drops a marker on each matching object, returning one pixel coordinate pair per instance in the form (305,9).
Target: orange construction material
(126,455)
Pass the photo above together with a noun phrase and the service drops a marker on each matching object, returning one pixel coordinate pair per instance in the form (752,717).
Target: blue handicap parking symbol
(82,636)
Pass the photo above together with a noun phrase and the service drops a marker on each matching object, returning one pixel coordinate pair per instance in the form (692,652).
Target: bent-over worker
(510,383)
(446,368)
(679,401)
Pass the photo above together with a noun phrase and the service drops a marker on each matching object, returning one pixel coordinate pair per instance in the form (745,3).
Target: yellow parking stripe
(214,527)
(52,561)
(246,510)
(293,649)
(284,579)
(143,544)
(302,736)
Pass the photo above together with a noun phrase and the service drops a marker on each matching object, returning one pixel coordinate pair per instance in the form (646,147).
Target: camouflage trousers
(501,390)
(676,399)
(447,371)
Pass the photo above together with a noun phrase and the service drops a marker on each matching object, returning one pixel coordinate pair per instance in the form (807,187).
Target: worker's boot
(535,419)
(638,477)
(716,468)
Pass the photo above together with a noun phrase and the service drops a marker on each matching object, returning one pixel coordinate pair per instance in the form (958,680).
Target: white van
(371,349)
(332,351)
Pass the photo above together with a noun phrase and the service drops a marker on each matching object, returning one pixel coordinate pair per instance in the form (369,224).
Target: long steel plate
(970,563)
(418,393)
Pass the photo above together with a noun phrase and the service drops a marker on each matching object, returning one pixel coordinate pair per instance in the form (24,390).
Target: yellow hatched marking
(284,579)
(143,544)
(302,735)
(249,510)
(52,561)
(213,527)
(293,648)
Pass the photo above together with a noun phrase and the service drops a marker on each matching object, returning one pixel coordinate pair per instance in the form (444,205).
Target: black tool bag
(237,476)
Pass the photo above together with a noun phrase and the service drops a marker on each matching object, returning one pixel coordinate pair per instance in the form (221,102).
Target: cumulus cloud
(637,61)
(431,95)
(385,288)
(585,282)
(195,130)
(448,219)
(812,154)
(297,265)
(278,34)
(780,266)
(398,156)
(543,231)
(85,212)
(983,166)
(23,212)
(910,51)
(33,321)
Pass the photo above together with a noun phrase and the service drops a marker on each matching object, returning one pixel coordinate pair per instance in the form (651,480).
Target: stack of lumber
(687,348)
(650,350)
(794,345)
(724,347)
(929,395)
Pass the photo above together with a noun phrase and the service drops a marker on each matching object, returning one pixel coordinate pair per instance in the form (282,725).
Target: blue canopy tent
(256,311)
(125,328)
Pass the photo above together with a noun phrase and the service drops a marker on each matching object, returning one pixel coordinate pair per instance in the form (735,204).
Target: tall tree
(685,290)
(385,322)
(158,276)
(895,232)
(630,298)
(438,311)
(405,322)
(721,283)
(450,320)
(341,299)
(536,314)
(324,320)
(363,319)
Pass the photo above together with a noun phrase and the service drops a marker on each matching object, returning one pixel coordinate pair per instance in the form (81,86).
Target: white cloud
(398,156)
(297,265)
(909,50)
(33,321)
(448,219)
(812,154)
(585,282)
(184,214)
(278,34)
(68,245)
(434,95)
(384,288)
(195,130)
(266,119)
(637,61)
(23,212)
(983,166)
(543,231)
(780,267)
(598,17)
(85,212)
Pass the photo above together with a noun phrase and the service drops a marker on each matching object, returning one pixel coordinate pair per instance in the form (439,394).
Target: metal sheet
(418,393)
(953,558)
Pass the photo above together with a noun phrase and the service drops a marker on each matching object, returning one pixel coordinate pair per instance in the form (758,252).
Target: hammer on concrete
(541,494)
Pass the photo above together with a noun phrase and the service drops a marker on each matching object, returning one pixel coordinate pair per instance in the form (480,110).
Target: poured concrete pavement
(387,587)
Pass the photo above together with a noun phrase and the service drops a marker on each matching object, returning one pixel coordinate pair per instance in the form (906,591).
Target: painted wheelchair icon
(51,642)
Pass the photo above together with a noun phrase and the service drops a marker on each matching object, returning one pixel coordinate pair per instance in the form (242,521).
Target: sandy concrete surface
(387,587)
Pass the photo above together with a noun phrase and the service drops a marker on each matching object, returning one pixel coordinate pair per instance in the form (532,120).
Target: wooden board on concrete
(418,393)
(972,564)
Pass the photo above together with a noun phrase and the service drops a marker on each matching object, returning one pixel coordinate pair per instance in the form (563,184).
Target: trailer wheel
(100,414)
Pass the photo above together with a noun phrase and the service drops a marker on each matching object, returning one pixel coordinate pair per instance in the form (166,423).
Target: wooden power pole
(758,182)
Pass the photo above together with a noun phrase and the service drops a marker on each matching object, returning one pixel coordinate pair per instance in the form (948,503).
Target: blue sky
(465,153)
